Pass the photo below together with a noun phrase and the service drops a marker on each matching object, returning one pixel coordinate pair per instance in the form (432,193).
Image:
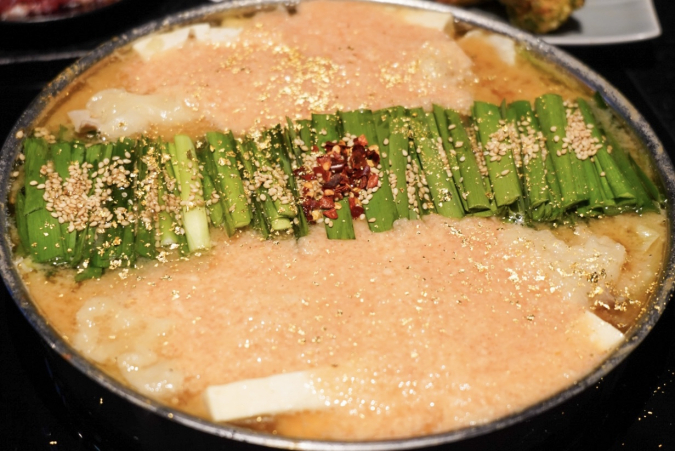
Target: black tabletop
(636,406)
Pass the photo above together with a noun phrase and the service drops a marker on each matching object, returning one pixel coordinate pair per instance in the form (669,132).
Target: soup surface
(435,325)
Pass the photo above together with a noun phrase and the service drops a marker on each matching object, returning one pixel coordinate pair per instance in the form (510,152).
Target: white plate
(604,22)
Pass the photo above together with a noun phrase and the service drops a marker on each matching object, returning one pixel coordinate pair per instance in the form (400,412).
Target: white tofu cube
(268,395)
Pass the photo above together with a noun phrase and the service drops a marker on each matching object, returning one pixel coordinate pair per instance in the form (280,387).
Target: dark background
(634,408)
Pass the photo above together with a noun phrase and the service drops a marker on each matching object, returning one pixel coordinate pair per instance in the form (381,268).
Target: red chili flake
(372,181)
(324,160)
(333,182)
(361,140)
(358,158)
(373,156)
(326,203)
(337,162)
(332,214)
(328,146)
(342,170)
(303,175)
(345,151)
(313,204)
(337,167)
(318,170)
(355,208)
(308,206)
(315,148)
(341,191)
(363,172)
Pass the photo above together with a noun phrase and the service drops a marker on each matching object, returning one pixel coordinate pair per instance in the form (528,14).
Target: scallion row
(547,161)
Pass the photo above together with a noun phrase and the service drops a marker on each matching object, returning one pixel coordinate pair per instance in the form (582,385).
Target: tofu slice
(602,334)
(505,47)
(148,47)
(267,395)
(430,19)
(157,43)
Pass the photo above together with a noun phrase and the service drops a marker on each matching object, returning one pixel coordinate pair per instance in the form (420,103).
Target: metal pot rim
(548,53)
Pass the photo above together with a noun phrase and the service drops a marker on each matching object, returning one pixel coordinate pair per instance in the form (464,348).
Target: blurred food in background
(26,9)
(537,16)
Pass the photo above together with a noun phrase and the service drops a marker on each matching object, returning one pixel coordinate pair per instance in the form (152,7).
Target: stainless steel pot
(116,409)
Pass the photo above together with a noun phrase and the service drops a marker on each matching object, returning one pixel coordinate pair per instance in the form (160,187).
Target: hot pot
(129,419)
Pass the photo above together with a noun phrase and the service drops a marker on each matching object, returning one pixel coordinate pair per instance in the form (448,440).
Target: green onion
(441,125)
(571,178)
(620,185)
(255,163)
(501,168)
(269,146)
(596,202)
(611,207)
(36,153)
(147,169)
(217,213)
(116,245)
(245,165)
(301,137)
(519,211)
(533,150)
(393,128)
(100,253)
(298,137)
(472,181)
(45,243)
(427,144)
(327,130)
(380,209)
(186,169)
(61,154)
(171,229)
(649,186)
(228,179)
(288,160)
(84,247)
(91,272)
(644,188)
(280,155)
